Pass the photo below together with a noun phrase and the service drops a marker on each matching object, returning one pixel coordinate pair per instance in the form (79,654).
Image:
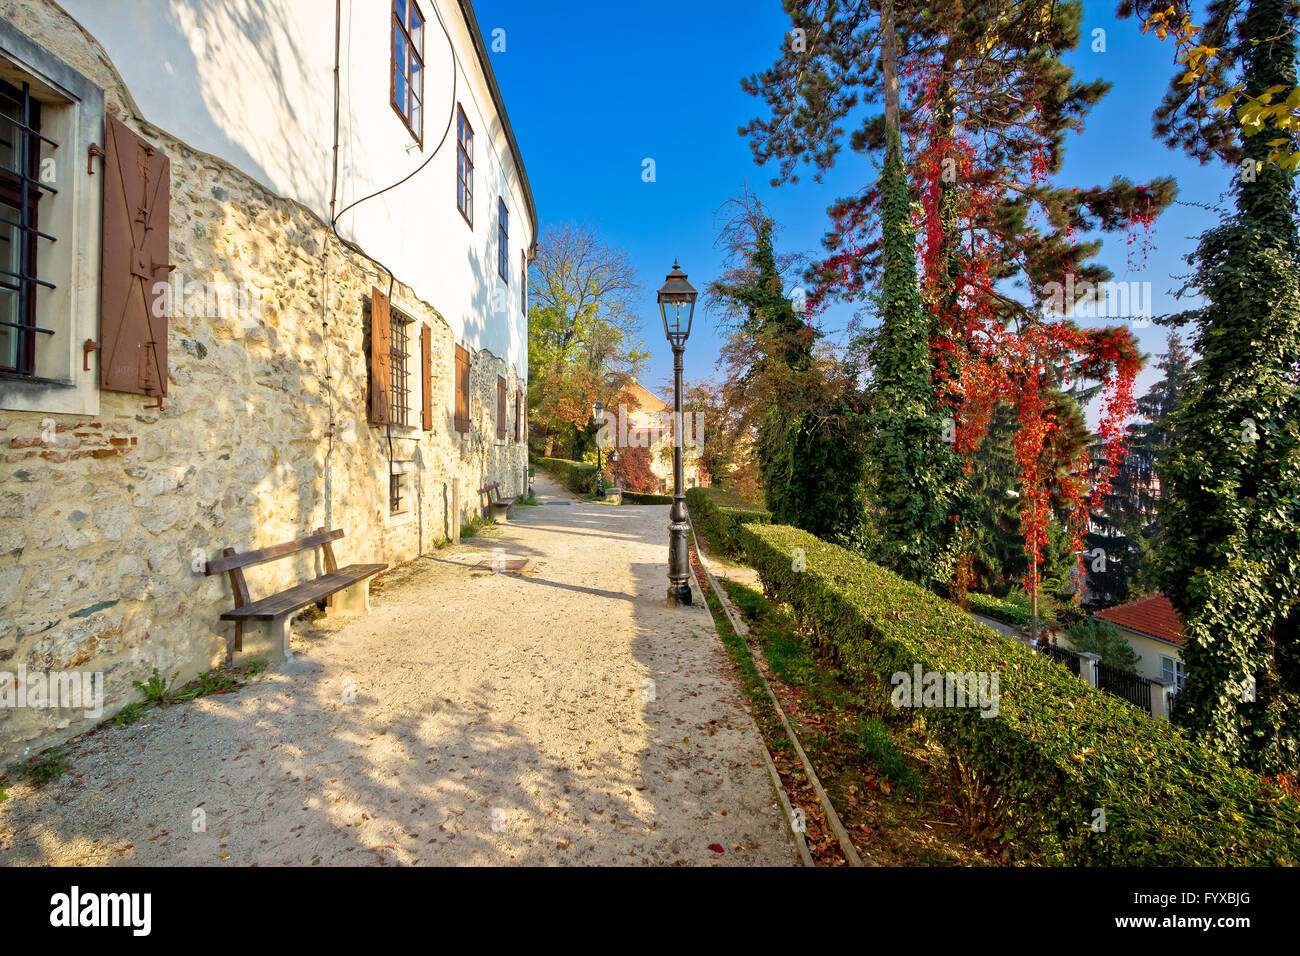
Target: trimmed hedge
(578,476)
(637,498)
(999,610)
(1058,749)
(723,512)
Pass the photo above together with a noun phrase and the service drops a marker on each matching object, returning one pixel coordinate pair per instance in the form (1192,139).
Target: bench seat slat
(298,597)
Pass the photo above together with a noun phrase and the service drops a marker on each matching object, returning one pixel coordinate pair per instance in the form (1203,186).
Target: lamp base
(679,596)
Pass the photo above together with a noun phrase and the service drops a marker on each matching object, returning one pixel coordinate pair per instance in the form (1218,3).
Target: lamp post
(596,413)
(675,298)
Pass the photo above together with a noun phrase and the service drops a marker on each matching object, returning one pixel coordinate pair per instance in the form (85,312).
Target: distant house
(1154,631)
(646,420)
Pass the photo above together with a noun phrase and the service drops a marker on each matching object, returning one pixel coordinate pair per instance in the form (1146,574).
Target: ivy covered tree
(801,407)
(1231,557)
(980,123)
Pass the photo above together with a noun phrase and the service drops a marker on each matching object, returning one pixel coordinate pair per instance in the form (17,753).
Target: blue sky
(595,90)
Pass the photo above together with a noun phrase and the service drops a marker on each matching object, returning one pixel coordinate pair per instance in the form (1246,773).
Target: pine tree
(1127,531)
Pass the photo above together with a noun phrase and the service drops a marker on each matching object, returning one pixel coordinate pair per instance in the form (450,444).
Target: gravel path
(562,715)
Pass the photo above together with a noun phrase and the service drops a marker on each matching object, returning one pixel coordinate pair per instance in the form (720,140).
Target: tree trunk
(889,54)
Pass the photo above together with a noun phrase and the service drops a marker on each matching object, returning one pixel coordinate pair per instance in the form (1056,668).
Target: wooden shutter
(502,390)
(381,359)
(462,389)
(133,267)
(519,415)
(426,378)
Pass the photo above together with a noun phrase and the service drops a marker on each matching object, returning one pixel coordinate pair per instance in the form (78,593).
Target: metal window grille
(399,390)
(20,194)
(396,491)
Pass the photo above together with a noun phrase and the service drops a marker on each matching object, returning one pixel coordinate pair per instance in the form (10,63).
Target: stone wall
(104,520)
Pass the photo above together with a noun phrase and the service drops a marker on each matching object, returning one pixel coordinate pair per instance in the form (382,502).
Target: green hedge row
(1058,750)
(637,498)
(723,513)
(998,609)
(578,476)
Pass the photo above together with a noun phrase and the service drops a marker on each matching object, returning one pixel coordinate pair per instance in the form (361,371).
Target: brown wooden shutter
(502,390)
(134,267)
(381,359)
(519,415)
(462,389)
(426,378)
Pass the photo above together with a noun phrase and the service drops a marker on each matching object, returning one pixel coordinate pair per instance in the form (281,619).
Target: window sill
(401,518)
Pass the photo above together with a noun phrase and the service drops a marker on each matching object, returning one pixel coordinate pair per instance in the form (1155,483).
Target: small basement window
(399,499)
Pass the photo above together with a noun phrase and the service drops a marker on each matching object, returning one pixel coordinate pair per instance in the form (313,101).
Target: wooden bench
(496,504)
(350,584)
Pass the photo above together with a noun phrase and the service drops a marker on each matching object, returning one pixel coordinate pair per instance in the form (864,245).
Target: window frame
(20,191)
(403,110)
(503,389)
(503,241)
(1176,671)
(72,115)
(399,373)
(460,425)
(464,165)
(523,283)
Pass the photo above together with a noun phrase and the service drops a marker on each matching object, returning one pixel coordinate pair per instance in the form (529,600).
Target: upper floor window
(523,282)
(20,195)
(503,241)
(408,66)
(464,166)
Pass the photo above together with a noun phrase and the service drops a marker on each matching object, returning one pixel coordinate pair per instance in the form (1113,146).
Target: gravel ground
(562,715)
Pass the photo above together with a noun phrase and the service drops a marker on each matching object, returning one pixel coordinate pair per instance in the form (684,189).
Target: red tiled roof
(1153,616)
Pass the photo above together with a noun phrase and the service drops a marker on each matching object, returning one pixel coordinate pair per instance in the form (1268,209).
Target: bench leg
(500,513)
(351,601)
(268,640)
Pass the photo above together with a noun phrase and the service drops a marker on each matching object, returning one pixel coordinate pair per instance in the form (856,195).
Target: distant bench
(351,584)
(496,504)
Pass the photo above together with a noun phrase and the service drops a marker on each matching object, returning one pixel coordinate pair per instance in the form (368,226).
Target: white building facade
(264,271)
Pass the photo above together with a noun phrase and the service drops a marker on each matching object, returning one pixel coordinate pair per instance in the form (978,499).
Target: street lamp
(596,413)
(675,298)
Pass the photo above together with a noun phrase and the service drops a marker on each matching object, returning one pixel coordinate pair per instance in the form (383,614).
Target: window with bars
(399,389)
(20,235)
(464,166)
(408,66)
(502,391)
(398,498)
(461,416)
(503,241)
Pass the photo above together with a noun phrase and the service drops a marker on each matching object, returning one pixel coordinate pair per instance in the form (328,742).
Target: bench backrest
(230,560)
(492,489)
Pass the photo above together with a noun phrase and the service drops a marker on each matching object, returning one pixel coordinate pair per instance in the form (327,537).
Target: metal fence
(1134,689)
(1061,656)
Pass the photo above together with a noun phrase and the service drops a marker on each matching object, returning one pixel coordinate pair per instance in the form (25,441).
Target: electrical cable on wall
(334,227)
